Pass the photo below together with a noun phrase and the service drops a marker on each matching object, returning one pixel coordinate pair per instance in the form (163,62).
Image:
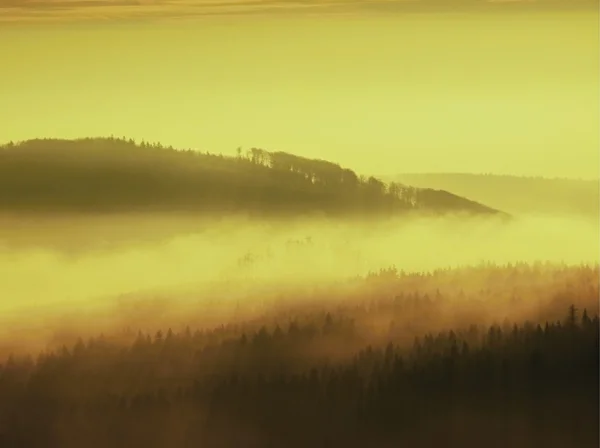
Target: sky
(36,10)
(382,87)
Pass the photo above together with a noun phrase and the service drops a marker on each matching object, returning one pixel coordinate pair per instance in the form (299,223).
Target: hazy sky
(360,83)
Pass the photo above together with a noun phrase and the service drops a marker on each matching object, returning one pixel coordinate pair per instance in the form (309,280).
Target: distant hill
(517,195)
(113,175)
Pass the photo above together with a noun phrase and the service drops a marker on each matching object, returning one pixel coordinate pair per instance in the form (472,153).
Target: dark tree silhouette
(111,175)
(315,375)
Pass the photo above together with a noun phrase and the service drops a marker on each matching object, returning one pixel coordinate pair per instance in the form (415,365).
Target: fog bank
(44,287)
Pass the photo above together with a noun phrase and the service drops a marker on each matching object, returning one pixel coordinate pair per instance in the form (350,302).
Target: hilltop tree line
(518,194)
(112,174)
(315,376)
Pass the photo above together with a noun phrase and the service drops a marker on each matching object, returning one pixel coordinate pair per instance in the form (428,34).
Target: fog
(217,268)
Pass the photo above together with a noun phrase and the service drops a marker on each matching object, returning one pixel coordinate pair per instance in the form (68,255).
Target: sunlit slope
(115,175)
(517,195)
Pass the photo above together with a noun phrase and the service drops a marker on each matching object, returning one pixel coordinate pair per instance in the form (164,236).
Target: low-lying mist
(216,269)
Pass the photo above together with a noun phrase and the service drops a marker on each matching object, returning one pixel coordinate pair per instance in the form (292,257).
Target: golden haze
(384,94)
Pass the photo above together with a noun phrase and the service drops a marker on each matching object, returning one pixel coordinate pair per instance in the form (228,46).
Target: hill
(451,358)
(517,195)
(117,175)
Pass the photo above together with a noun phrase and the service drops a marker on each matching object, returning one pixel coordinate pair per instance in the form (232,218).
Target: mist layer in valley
(144,271)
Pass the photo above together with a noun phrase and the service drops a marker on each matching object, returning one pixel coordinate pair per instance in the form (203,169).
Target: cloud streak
(36,10)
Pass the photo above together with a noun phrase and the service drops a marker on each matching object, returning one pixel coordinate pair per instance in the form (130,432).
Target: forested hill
(111,175)
(517,195)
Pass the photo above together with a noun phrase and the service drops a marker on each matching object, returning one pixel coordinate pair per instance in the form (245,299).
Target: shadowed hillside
(517,195)
(115,175)
(486,356)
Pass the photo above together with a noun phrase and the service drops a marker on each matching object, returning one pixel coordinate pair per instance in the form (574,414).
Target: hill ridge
(112,174)
(517,194)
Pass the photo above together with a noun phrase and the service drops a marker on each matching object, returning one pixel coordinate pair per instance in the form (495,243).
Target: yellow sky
(469,92)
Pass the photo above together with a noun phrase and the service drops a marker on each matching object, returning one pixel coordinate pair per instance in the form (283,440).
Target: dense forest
(517,195)
(480,356)
(116,175)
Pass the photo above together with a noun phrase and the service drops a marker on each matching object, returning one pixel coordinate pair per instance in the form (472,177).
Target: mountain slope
(518,195)
(112,175)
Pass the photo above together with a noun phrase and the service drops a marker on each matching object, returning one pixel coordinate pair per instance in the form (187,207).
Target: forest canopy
(482,356)
(115,175)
